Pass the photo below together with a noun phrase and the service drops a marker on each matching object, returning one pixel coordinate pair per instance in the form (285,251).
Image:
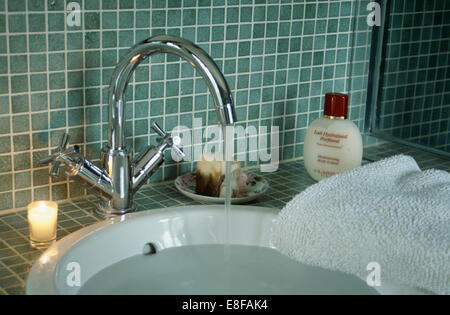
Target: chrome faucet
(119,176)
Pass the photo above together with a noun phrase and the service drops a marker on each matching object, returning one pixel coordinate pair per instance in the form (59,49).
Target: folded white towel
(389,212)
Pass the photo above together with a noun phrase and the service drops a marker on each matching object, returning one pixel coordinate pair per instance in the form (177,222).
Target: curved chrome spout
(165,44)
(116,160)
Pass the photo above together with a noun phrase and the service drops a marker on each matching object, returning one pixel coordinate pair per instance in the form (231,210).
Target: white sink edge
(48,261)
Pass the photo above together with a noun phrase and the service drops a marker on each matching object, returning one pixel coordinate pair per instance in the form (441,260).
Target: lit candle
(42,218)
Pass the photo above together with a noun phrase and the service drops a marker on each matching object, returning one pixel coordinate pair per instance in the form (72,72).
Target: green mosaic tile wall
(415,98)
(279,57)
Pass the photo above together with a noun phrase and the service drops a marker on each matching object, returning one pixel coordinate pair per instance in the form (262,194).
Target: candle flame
(42,206)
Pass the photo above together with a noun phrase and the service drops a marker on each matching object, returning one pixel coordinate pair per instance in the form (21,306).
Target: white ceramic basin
(191,258)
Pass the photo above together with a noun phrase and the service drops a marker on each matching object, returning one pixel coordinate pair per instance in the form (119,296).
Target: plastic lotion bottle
(333,144)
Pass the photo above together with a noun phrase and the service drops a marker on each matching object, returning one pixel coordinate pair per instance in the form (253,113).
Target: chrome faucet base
(104,210)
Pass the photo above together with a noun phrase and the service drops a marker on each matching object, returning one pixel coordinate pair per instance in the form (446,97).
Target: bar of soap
(210,176)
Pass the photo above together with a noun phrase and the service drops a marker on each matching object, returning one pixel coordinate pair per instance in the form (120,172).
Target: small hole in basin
(149,249)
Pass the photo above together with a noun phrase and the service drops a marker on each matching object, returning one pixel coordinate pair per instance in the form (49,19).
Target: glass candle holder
(42,218)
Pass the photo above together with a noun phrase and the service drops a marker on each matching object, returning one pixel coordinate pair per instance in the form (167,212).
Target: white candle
(42,218)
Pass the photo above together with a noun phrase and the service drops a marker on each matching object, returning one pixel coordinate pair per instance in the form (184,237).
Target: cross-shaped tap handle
(61,150)
(172,142)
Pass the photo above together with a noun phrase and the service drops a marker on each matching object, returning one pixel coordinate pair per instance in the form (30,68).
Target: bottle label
(333,142)
(330,139)
(331,147)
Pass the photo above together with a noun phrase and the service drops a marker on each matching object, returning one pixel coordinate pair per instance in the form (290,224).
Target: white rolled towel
(388,212)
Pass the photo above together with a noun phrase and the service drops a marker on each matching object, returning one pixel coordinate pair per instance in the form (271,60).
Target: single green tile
(109,20)
(2,23)
(203,34)
(141,91)
(92,5)
(218,15)
(92,20)
(22,161)
(231,32)
(55,5)
(56,61)
(318,58)
(218,33)
(76,117)
(74,41)
(270,46)
(57,119)
(126,38)
(172,89)
(39,121)
(271,29)
(156,107)
(5,144)
(109,39)
(74,60)
(144,4)
(173,18)
(4,85)
(319,42)
(92,133)
(56,21)
(41,193)
(16,5)
(232,15)
(19,83)
(297,28)
(109,58)
(285,12)
(308,27)
(126,20)
(21,143)
(39,102)
(19,103)
(6,201)
(204,16)
(92,40)
(109,4)
(38,82)
(283,45)
(40,177)
(17,23)
(4,104)
(38,63)
(126,4)
(18,64)
(59,192)
(75,79)
(92,77)
(143,19)
(3,40)
(5,182)
(17,43)
(58,99)
(56,42)
(321,27)
(92,96)
(189,17)
(92,59)
(34,5)
(93,115)
(159,18)
(23,198)
(37,43)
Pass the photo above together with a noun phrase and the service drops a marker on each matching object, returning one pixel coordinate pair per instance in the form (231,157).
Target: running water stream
(228,142)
